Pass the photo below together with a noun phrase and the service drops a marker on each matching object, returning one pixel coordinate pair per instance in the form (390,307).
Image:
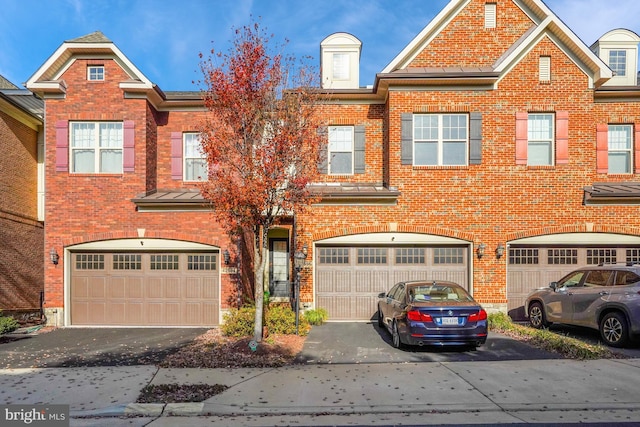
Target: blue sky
(164,37)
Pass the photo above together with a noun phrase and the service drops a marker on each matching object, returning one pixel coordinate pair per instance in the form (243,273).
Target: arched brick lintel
(369,229)
(575,228)
(133,234)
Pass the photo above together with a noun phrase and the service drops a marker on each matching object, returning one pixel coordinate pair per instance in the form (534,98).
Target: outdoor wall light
(499,251)
(226,256)
(53,256)
(480,250)
(299,258)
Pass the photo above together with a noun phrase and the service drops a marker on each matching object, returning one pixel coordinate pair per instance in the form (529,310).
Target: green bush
(7,324)
(239,322)
(280,319)
(316,316)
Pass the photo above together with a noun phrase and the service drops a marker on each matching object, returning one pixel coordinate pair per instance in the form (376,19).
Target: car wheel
(380,321)
(614,330)
(536,316)
(395,335)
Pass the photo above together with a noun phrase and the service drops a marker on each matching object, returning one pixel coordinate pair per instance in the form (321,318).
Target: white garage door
(349,278)
(145,289)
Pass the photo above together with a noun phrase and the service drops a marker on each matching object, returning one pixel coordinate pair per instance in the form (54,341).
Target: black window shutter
(406,154)
(475,138)
(358,152)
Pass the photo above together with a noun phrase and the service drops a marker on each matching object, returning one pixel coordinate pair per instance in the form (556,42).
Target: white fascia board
(44,67)
(116,55)
(425,36)
(509,60)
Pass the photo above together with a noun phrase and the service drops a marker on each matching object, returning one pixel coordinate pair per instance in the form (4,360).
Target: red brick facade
(21,234)
(493,201)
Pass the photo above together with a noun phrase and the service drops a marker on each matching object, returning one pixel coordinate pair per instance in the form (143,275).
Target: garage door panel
(358,274)
(162,292)
(96,312)
(96,288)
(372,280)
(134,289)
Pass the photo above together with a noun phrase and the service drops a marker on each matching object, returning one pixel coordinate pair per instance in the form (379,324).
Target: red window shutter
(636,148)
(562,137)
(176,155)
(602,148)
(522,137)
(62,146)
(128,157)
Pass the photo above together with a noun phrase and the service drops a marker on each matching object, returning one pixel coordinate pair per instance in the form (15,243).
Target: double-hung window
(618,62)
(96,147)
(195,163)
(340,155)
(440,139)
(619,148)
(540,139)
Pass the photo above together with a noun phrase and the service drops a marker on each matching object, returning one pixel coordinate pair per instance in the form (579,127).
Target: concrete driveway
(366,342)
(92,347)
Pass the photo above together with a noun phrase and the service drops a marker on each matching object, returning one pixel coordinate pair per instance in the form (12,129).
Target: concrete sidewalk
(340,394)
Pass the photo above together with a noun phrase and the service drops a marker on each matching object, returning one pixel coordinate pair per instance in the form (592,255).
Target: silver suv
(603,297)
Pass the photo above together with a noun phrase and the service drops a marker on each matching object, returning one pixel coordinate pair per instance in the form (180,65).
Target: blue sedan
(432,313)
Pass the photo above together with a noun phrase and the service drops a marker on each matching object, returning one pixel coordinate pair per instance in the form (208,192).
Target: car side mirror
(382,295)
(553,285)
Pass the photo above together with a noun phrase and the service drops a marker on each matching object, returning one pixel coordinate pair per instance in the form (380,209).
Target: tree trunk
(261,258)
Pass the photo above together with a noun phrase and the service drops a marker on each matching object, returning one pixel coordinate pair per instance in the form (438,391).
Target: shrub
(316,316)
(238,322)
(280,319)
(7,324)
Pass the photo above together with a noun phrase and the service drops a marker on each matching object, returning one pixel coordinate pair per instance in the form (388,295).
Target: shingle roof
(6,84)
(95,37)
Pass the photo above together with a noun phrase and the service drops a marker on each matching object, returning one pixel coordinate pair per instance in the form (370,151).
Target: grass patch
(568,347)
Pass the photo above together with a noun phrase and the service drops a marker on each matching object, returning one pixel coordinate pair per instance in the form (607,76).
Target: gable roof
(48,81)
(545,23)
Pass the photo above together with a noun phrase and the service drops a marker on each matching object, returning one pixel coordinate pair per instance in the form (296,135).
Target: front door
(279,285)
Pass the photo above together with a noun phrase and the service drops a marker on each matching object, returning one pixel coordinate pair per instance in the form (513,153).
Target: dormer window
(618,62)
(95,73)
(340,66)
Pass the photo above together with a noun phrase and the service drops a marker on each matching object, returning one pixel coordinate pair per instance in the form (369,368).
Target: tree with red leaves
(260,139)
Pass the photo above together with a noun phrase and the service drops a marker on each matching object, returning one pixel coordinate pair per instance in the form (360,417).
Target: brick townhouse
(496,150)
(21,213)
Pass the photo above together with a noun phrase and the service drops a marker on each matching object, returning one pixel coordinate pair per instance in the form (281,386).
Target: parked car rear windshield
(438,293)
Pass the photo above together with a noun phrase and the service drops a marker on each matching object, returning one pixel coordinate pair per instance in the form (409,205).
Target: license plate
(449,320)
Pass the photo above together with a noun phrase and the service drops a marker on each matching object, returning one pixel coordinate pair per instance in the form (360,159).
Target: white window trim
(185,158)
(95,147)
(628,150)
(341,70)
(329,151)
(90,74)
(440,141)
(618,51)
(552,141)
